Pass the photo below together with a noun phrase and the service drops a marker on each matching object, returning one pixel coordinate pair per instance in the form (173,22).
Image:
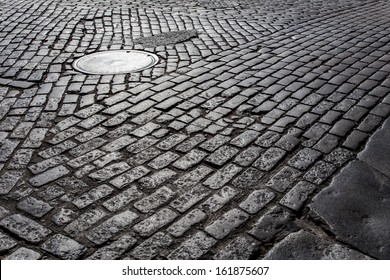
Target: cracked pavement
(261,132)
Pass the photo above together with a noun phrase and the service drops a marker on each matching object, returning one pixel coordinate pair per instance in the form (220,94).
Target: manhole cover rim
(76,64)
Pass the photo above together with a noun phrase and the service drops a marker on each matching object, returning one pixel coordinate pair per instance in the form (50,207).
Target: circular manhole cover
(115,62)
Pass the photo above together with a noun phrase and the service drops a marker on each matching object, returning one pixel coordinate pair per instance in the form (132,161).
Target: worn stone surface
(303,245)
(64,247)
(355,208)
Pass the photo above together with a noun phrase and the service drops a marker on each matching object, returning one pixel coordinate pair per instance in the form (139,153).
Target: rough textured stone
(257,200)
(64,247)
(152,246)
(6,242)
(114,250)
(274,221)
(24,254)
(112,226)
(193,248)
(25,228)
(241,248)
(229,221)
(355,208)
(155,200)
(150,225)
(306,246)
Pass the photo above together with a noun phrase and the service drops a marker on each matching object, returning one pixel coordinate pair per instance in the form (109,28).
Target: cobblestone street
(260,134)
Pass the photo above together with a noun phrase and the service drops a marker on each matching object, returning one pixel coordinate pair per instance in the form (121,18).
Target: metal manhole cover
(115,62)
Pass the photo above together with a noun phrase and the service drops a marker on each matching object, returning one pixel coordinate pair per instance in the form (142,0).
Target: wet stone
(9,180)
(241,248)
(142,144)
(92,196)
(3,212)
(192,178)
(355,208)
(119,143)
(218,200)
(229,221)
(274,221)
(246,179)
(6,149)
(298,195)
(20,159)
(193,248)
(72,185)
(122,199)
(152,224)
(184,224)
(25,228)
(155,200)
(130,176)
(245,138)
(248,156)
(112,226)
(6,242)
(49,176)
(222,155)
(46,164)
(222,176)
(284,179)
(87,147)
(64,135)
(214,143)
(269,159)
(303,245)
(190,198)
(144,156)
(339,156)
(319,172)
(190,159)
(267,139)
(287,142)
(108,158)
(64,216)
(58,149)
(64,247)
(164,160)
(152,246)
(110,171)
(304,158)
(35,207)
(257,200)
(115,249)
(85,221)
(24,254)
(157,178)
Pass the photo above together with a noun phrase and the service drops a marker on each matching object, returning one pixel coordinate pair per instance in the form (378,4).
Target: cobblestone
(193,248)
(85,221)
(274,221)
(229,221)
(24,254)
(153,201)
(112,226)
(241,248)
(222,176)
(34,207)
(115,249)
(257,200)
(64,247)
(152,246)
(150,225)
(25,228)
